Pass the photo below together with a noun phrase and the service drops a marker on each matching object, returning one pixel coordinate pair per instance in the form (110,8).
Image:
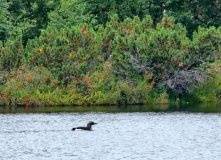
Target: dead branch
(138,65)
(183,81)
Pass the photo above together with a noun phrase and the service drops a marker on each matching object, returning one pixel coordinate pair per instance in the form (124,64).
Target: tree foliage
(68,13)
(30,16)
(135,48)
(191,13)
(111,48)
(5,24)
(11,54)
(161,53)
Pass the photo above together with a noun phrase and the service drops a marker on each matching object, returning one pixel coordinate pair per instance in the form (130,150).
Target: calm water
(118,135)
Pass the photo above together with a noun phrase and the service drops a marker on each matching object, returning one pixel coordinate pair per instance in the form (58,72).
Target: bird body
(88,128)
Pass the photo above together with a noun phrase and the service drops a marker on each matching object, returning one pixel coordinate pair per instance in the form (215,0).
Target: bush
(11,54)
(23,83)
(126,62)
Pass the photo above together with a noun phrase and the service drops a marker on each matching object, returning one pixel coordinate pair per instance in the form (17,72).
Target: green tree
(191,13)
(5,24)
(194,13)
(103,10)
(11,54)
(30,16)
(165,54)
(69,13)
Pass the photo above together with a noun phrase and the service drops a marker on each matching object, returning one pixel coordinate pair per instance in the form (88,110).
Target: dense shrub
(125,62)
(68,52)
(164,54)
(11,54)
(38,86)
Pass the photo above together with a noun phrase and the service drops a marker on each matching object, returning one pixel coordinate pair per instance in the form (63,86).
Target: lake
(134,132)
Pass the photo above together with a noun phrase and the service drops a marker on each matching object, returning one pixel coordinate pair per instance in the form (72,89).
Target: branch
(138,65)
(182,81)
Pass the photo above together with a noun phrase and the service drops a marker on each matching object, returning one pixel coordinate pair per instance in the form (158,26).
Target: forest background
(98,52)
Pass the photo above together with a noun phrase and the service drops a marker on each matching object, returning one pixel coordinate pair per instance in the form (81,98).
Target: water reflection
(205,108)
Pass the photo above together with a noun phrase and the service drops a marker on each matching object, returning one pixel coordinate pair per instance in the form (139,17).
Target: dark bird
(88,128)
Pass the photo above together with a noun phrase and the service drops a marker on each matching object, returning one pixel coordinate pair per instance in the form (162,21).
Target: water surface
(118,135)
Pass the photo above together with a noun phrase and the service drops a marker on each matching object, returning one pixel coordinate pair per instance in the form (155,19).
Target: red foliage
(87,80)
